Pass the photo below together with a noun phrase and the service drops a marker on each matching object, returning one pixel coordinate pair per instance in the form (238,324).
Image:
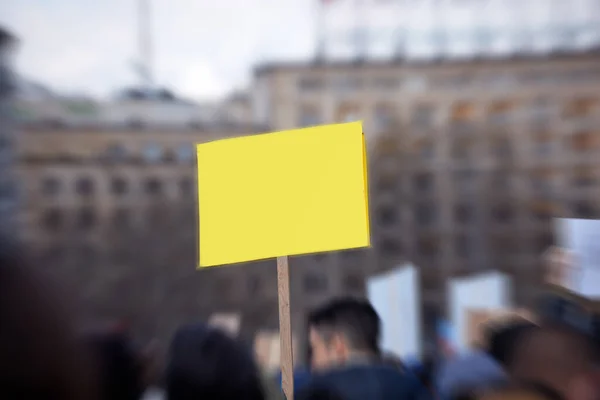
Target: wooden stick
(285,327)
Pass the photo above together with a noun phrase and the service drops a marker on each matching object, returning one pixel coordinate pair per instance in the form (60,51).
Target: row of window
(501,147)
(153,153)
(465,245)
(424,115)
(427,213)
(313,282)
(424,182)
(393,82)
(119,186)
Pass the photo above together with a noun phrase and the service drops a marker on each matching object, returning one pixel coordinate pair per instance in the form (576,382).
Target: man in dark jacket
(344,338)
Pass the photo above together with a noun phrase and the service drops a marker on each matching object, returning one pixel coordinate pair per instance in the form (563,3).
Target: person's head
(205,363)
(557,357)
(119,367)
(40,354)
(503,340)
(341,329)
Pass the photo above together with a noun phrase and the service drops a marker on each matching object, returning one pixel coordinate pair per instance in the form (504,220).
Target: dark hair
(207,364)
(355,319)
(503,341)
(319,392)
(41,356)
(118,365)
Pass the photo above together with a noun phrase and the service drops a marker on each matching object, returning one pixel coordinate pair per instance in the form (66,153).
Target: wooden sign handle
(285,327)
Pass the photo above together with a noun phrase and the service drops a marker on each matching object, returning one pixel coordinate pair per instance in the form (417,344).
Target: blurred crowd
(44,354)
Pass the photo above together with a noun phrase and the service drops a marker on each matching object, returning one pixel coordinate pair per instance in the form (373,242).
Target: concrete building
(469,159)
(8,188)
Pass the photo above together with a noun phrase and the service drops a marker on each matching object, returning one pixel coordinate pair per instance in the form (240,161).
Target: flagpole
(320,30)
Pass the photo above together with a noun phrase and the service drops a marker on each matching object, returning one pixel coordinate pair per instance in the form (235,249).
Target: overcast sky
(204,48)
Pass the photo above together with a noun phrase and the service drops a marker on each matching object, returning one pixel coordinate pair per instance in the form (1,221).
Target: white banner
(582,238)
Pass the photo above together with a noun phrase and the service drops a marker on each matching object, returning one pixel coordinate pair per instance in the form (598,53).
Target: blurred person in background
(483,367)
(119,366)
(559,361)
(344,337)
(41,356)
(205,363)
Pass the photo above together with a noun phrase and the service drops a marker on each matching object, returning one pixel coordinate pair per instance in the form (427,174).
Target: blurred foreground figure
(346,359)
(559,361)
(208,364)
(119,366)
(40,354)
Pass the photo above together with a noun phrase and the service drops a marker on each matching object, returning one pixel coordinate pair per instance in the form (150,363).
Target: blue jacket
(370,382)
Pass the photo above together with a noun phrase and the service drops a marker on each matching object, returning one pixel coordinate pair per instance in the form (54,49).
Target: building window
(309,84)
(583,209)
(347,112)
(425,149)
(153,186)
(502,213)
(461,246)
(387,216)
(135,124)
(346,84)
(186,186)
(462,111)
(463,213)
(122,218)
(85,186)
(51,186)
(353,282)
(53,220)
(309,116)
(423,116)
(118,186)
(465,180)
(462,149)
(315,283)
(153,153)
(579,108)
(583,141)
(387,83)
(425,214)
(542,144)
(541,183)
(428,247)
(86,219)
(423,182)
(185,153)
(500,112)
(116,152)
(583,177)
(543,210)
(384,117)
(501,147)
(390,247)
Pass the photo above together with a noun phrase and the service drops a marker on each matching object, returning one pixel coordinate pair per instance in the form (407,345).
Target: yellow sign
(285,193)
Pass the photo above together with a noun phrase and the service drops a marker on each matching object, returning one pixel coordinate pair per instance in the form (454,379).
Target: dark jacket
(370,382)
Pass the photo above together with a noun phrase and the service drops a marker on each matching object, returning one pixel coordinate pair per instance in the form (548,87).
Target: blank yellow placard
(285,193)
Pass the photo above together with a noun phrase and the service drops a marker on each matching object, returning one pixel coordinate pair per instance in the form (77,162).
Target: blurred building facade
(469,159)
(8,188)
